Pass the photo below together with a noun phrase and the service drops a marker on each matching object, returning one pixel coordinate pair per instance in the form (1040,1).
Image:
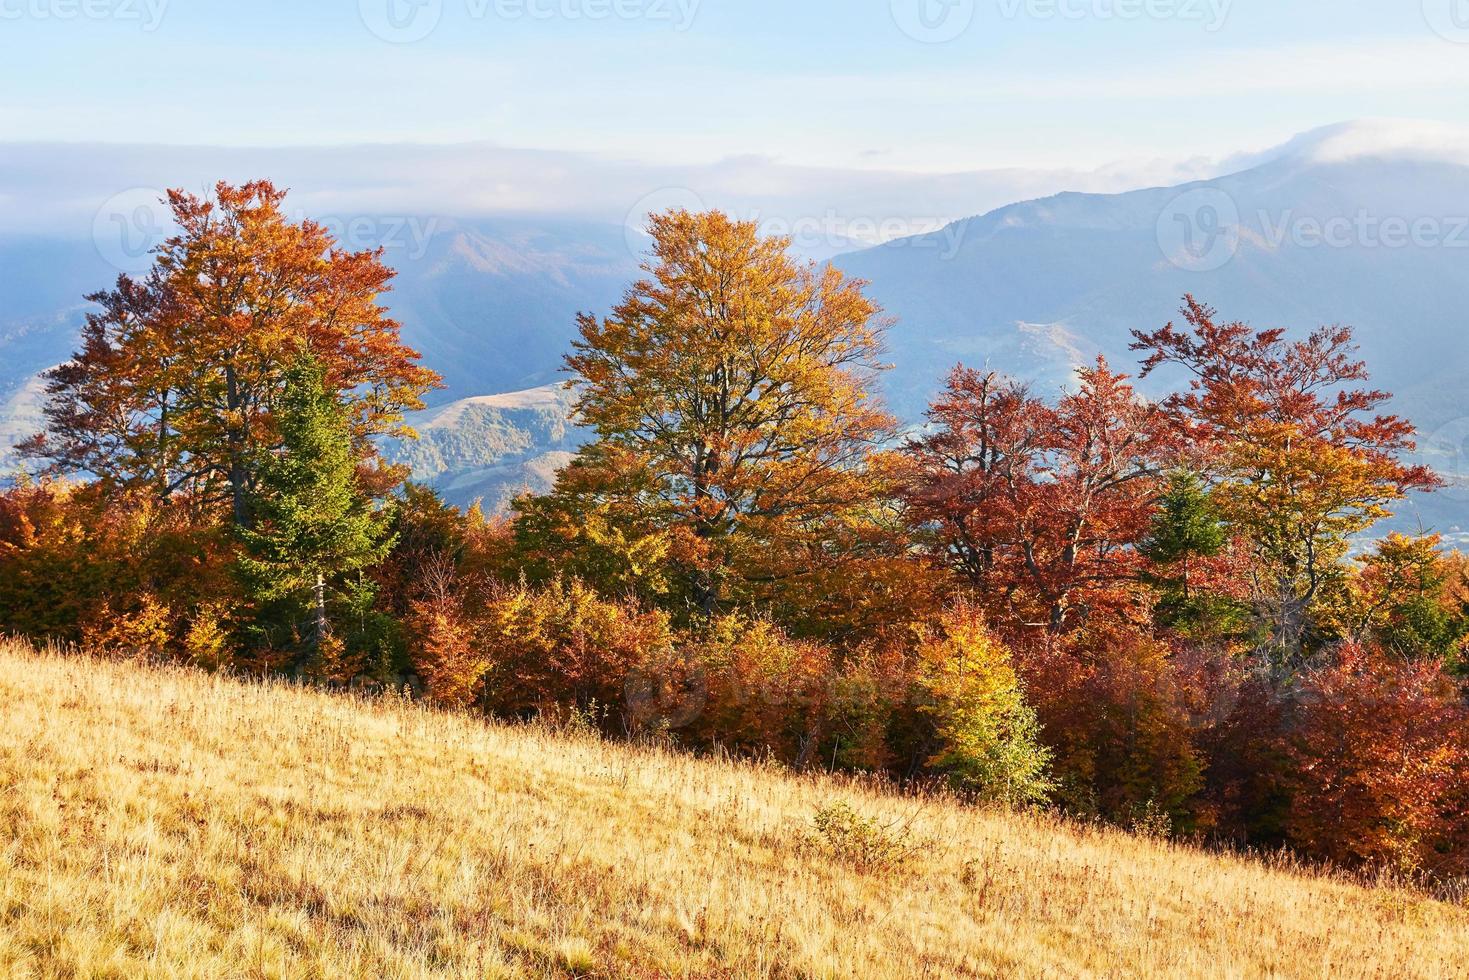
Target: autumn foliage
(1168,613)
(1380,747)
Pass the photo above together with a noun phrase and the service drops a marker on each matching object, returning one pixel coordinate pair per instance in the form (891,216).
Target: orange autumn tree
(732,386)
(1302,456)
(173,387)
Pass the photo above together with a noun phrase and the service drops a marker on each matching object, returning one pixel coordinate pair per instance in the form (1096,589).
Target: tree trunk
(322,626)
(238,490)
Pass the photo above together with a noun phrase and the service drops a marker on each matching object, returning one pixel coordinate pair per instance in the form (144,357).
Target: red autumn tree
(1116,712)
(173,387)
(1042,507)
(969,471)
(1302,456)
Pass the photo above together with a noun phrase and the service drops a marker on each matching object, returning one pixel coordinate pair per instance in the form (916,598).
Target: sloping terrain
(163,823)
(491,448)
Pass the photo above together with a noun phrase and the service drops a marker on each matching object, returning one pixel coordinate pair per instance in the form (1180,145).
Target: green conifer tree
(1186,529)
(312,526)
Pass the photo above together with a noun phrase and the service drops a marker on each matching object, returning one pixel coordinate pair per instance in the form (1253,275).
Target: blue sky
(832,83)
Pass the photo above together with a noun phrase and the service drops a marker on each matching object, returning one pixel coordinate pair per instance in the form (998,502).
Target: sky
(892,116)
(913,85)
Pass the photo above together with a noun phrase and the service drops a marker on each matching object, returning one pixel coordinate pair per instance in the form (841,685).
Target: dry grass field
(163,823)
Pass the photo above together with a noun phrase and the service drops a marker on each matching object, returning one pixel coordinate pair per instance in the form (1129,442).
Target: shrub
(1113,710)
(989,737)
(208,640)
(1381,765)
(563,647)
(765,692)
(445,652)
(77,565)
(863,842)
(140,627)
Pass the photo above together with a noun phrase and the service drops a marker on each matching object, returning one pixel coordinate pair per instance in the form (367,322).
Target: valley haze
(498,249)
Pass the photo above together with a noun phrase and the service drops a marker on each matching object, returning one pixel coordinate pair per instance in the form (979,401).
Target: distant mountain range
(1346,225)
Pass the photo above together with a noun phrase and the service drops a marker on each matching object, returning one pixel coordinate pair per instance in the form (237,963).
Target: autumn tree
(1303,457)
(173,388)
(988,736)
(1400,597)
(1381,764)
(1042,507)
(970,472)
(730,389)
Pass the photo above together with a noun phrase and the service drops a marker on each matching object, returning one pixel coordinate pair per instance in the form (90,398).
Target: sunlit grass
(155,822)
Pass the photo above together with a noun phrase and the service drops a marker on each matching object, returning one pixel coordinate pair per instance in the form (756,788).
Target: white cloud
(58,188)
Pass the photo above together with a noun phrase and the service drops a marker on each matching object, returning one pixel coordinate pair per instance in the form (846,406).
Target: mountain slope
(490,448)
(1094,267)
(147,834)
(1342,226)
(1033,289)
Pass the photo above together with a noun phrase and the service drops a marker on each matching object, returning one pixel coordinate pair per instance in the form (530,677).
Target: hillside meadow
(165,823)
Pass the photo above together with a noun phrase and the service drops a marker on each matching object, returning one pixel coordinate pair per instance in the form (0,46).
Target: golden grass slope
(163,823)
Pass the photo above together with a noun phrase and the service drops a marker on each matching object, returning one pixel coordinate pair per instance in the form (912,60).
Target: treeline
(1149,613)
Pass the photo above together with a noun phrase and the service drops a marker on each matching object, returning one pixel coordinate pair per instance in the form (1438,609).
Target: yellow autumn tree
(734,381)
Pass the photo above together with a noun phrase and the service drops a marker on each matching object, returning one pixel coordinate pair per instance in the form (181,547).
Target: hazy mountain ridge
(1033,289)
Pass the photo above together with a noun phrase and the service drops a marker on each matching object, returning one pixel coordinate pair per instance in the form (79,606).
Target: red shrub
(1381,775)
(1115,713)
